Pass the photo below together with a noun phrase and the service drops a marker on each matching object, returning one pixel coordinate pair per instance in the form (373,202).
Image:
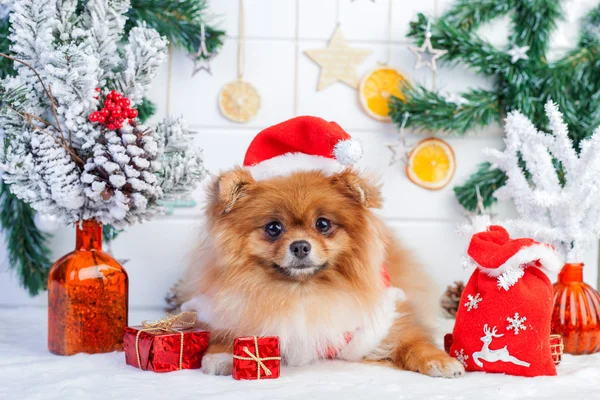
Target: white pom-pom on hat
(348,152)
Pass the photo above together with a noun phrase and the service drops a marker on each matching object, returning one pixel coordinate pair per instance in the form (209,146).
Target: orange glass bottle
(87,297)
(576,313)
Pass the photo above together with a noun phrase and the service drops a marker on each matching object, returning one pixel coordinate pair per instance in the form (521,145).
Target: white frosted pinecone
(120,177)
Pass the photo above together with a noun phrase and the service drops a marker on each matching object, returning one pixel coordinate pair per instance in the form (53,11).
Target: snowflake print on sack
(516,323)
(473,301)
(461,357)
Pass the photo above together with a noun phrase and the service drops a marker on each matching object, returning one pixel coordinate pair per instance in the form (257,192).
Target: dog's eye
(323,225)
(274,229)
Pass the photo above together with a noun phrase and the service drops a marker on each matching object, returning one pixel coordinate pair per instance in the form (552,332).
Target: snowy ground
(29,372)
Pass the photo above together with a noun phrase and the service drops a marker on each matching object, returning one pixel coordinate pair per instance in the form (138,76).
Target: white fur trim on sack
(545,253)
(348,152)
(289,163)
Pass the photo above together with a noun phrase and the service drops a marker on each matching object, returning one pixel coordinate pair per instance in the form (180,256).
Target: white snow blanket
(29,372)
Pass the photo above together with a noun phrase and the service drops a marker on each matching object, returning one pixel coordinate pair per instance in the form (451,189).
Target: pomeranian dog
(299,254)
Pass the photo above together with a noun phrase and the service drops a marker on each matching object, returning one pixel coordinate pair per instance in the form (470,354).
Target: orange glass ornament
(87,297)
(576,312)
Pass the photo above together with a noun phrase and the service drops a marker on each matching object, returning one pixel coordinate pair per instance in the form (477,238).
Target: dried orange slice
(376,88)
(431,164)
(239,101)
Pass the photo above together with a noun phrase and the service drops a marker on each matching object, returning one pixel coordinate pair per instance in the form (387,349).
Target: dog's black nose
(300,248)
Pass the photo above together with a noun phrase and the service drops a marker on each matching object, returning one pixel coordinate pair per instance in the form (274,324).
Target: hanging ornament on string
(239,101)
(431,162)
(202,57)
(382,82)
(426,55)
(338,61)
(46,223)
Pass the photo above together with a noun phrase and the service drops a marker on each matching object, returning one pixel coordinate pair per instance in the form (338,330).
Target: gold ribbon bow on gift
(256,357)
(170,323)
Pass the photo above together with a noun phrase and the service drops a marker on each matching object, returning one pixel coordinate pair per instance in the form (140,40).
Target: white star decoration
(202,57)
(473,301)
(426,54)
(399,148)
(518,53)
(516,323)
(461,356)
(456,99)
(398,152)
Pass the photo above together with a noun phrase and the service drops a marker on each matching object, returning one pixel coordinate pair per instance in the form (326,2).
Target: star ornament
(338,61)
(456,99)
(518,53)
(426,55)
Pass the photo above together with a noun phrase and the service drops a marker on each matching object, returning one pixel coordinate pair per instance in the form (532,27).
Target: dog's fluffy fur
(243,282)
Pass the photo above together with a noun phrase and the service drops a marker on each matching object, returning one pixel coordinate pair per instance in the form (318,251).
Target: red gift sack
(503,321)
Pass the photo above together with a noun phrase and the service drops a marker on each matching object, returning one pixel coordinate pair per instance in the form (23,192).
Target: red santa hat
(495,253)
(301,144)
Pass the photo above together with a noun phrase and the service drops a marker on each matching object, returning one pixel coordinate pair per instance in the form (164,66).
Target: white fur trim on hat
(289,163)
(348,152)
(545,253)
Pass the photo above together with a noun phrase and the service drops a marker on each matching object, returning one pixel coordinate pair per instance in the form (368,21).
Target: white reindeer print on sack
(494,355)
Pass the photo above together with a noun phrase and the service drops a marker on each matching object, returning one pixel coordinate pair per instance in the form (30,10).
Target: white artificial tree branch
(568,216)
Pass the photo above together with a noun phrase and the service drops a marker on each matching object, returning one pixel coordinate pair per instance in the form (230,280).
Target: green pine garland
(180,21)
(573,82)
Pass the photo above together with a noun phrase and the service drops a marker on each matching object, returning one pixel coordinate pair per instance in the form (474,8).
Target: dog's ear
(229,187)
(365,190)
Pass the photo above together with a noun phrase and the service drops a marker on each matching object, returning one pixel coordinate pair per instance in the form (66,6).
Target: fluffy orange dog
(292,249)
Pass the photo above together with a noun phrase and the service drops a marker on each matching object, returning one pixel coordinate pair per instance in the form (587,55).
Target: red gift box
(166,345)
(256,358)
(556,346)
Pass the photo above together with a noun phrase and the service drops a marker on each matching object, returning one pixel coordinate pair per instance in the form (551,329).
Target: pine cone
(450,300)
(120,176)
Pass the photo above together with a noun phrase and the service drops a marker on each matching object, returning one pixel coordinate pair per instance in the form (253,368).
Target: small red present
(556,347)
(169,344)
(256,357)
(447,342)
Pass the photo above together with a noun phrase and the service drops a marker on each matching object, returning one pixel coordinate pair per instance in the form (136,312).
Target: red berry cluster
(114,112)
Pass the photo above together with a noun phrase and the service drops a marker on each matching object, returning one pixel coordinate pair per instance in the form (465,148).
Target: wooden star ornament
(338,61)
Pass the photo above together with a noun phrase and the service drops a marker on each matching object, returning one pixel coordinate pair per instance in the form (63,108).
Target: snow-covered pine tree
(563,210)
(53,156)
(179,21)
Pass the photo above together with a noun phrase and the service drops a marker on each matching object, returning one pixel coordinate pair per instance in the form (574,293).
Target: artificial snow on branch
(72,145)
(564,211)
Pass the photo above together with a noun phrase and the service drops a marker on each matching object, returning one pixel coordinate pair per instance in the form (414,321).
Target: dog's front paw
(443,366)
(217,364)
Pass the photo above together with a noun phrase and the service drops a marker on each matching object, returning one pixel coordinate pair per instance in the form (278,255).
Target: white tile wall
(278,31)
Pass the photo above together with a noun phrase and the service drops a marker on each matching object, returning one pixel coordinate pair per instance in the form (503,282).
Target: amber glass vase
(87,297)
(576,313)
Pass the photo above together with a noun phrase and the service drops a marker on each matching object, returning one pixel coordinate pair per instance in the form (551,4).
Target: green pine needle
(28,252)
(145,110)
(488,180)
(429,111)
(179,21)
(573,82)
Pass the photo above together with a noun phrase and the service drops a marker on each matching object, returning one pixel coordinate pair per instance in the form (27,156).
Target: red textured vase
(576,313)
(87,297)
